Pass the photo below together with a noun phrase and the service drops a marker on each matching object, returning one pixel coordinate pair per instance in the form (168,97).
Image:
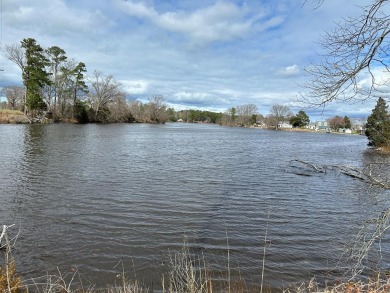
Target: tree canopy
(35,77)
(337,122)
(378,125)
(300,119)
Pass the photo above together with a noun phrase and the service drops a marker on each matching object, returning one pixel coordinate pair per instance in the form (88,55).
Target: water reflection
(34,135)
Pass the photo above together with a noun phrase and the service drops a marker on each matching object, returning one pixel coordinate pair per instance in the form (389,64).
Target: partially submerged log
(379,178)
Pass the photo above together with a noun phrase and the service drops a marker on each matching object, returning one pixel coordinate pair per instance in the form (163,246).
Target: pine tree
(378,125)
(57,56)
(300,119)
(347,122)
(34,73)
(79,82)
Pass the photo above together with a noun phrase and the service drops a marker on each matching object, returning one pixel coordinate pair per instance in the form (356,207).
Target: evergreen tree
(80,111)
(300,119)
(79,82)
(233,113)
(378,125)
(34,74)
(347,122)
(56,57)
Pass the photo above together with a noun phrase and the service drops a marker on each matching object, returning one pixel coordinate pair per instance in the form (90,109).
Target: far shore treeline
(56,89)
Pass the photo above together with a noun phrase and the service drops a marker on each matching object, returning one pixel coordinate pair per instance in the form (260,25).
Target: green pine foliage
(347,122)
(300,119)
(34,74)
(378,125)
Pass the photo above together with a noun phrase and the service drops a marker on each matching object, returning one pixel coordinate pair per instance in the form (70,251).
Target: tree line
(57,87)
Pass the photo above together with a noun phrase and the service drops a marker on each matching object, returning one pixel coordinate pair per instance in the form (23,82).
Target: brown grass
(384,149)
(11,112)
(12,117)
(10,282)
(376,284)
(186,272)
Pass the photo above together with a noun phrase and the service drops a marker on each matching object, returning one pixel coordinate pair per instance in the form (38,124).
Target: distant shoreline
(18,117)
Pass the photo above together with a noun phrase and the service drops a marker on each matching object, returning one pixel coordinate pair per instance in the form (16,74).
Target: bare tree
(137,110)
(336,122)
(119,111)
(16,54)
(103,90)
(157,109)
(15,95)
(356,50)
(279,113)
(245,114)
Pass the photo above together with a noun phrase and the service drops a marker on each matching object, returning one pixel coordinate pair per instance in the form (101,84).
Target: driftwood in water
(373,176)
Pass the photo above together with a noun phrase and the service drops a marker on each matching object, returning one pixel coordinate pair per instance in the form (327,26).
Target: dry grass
(10,282)
(12,117)
(377,284)
(186,273)
(9,112)
(385,149)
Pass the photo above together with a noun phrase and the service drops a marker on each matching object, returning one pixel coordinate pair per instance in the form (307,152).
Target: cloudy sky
(198,54)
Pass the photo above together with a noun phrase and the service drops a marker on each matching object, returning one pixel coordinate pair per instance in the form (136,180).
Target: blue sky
(204,54)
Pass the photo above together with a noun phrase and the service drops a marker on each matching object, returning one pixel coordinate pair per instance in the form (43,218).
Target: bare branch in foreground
(356,50)
(374,174)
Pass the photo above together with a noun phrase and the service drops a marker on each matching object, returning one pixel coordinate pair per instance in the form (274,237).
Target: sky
(198,54)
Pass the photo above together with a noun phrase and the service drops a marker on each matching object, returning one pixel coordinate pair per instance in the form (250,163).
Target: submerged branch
(369,174)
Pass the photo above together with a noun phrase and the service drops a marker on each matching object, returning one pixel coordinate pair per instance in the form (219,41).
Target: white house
(284,125)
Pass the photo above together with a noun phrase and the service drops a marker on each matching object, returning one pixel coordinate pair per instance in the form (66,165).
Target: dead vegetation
(12,117)
(10,282)
(374,173)
(186,272)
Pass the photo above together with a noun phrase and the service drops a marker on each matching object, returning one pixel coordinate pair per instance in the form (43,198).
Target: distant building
(321,125)
(284,125)
(345,130)
(359,125)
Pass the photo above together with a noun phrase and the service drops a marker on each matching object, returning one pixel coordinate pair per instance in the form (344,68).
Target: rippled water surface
(92,196)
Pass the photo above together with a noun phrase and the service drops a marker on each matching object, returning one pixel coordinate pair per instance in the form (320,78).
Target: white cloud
(53,18)
(212,54)
(219,22)
(378,77)
(292,70)
(135,87)
(193,98)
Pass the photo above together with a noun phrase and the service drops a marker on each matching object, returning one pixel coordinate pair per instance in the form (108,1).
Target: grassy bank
(12,117)
(186,275)
(185,272)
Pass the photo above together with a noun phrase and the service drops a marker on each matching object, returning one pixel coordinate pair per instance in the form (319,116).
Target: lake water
(94,196)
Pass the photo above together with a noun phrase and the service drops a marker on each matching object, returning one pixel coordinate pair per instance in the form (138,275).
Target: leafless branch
(371,232)
(374,173)
(355,51)
(15,53)
(316,3)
